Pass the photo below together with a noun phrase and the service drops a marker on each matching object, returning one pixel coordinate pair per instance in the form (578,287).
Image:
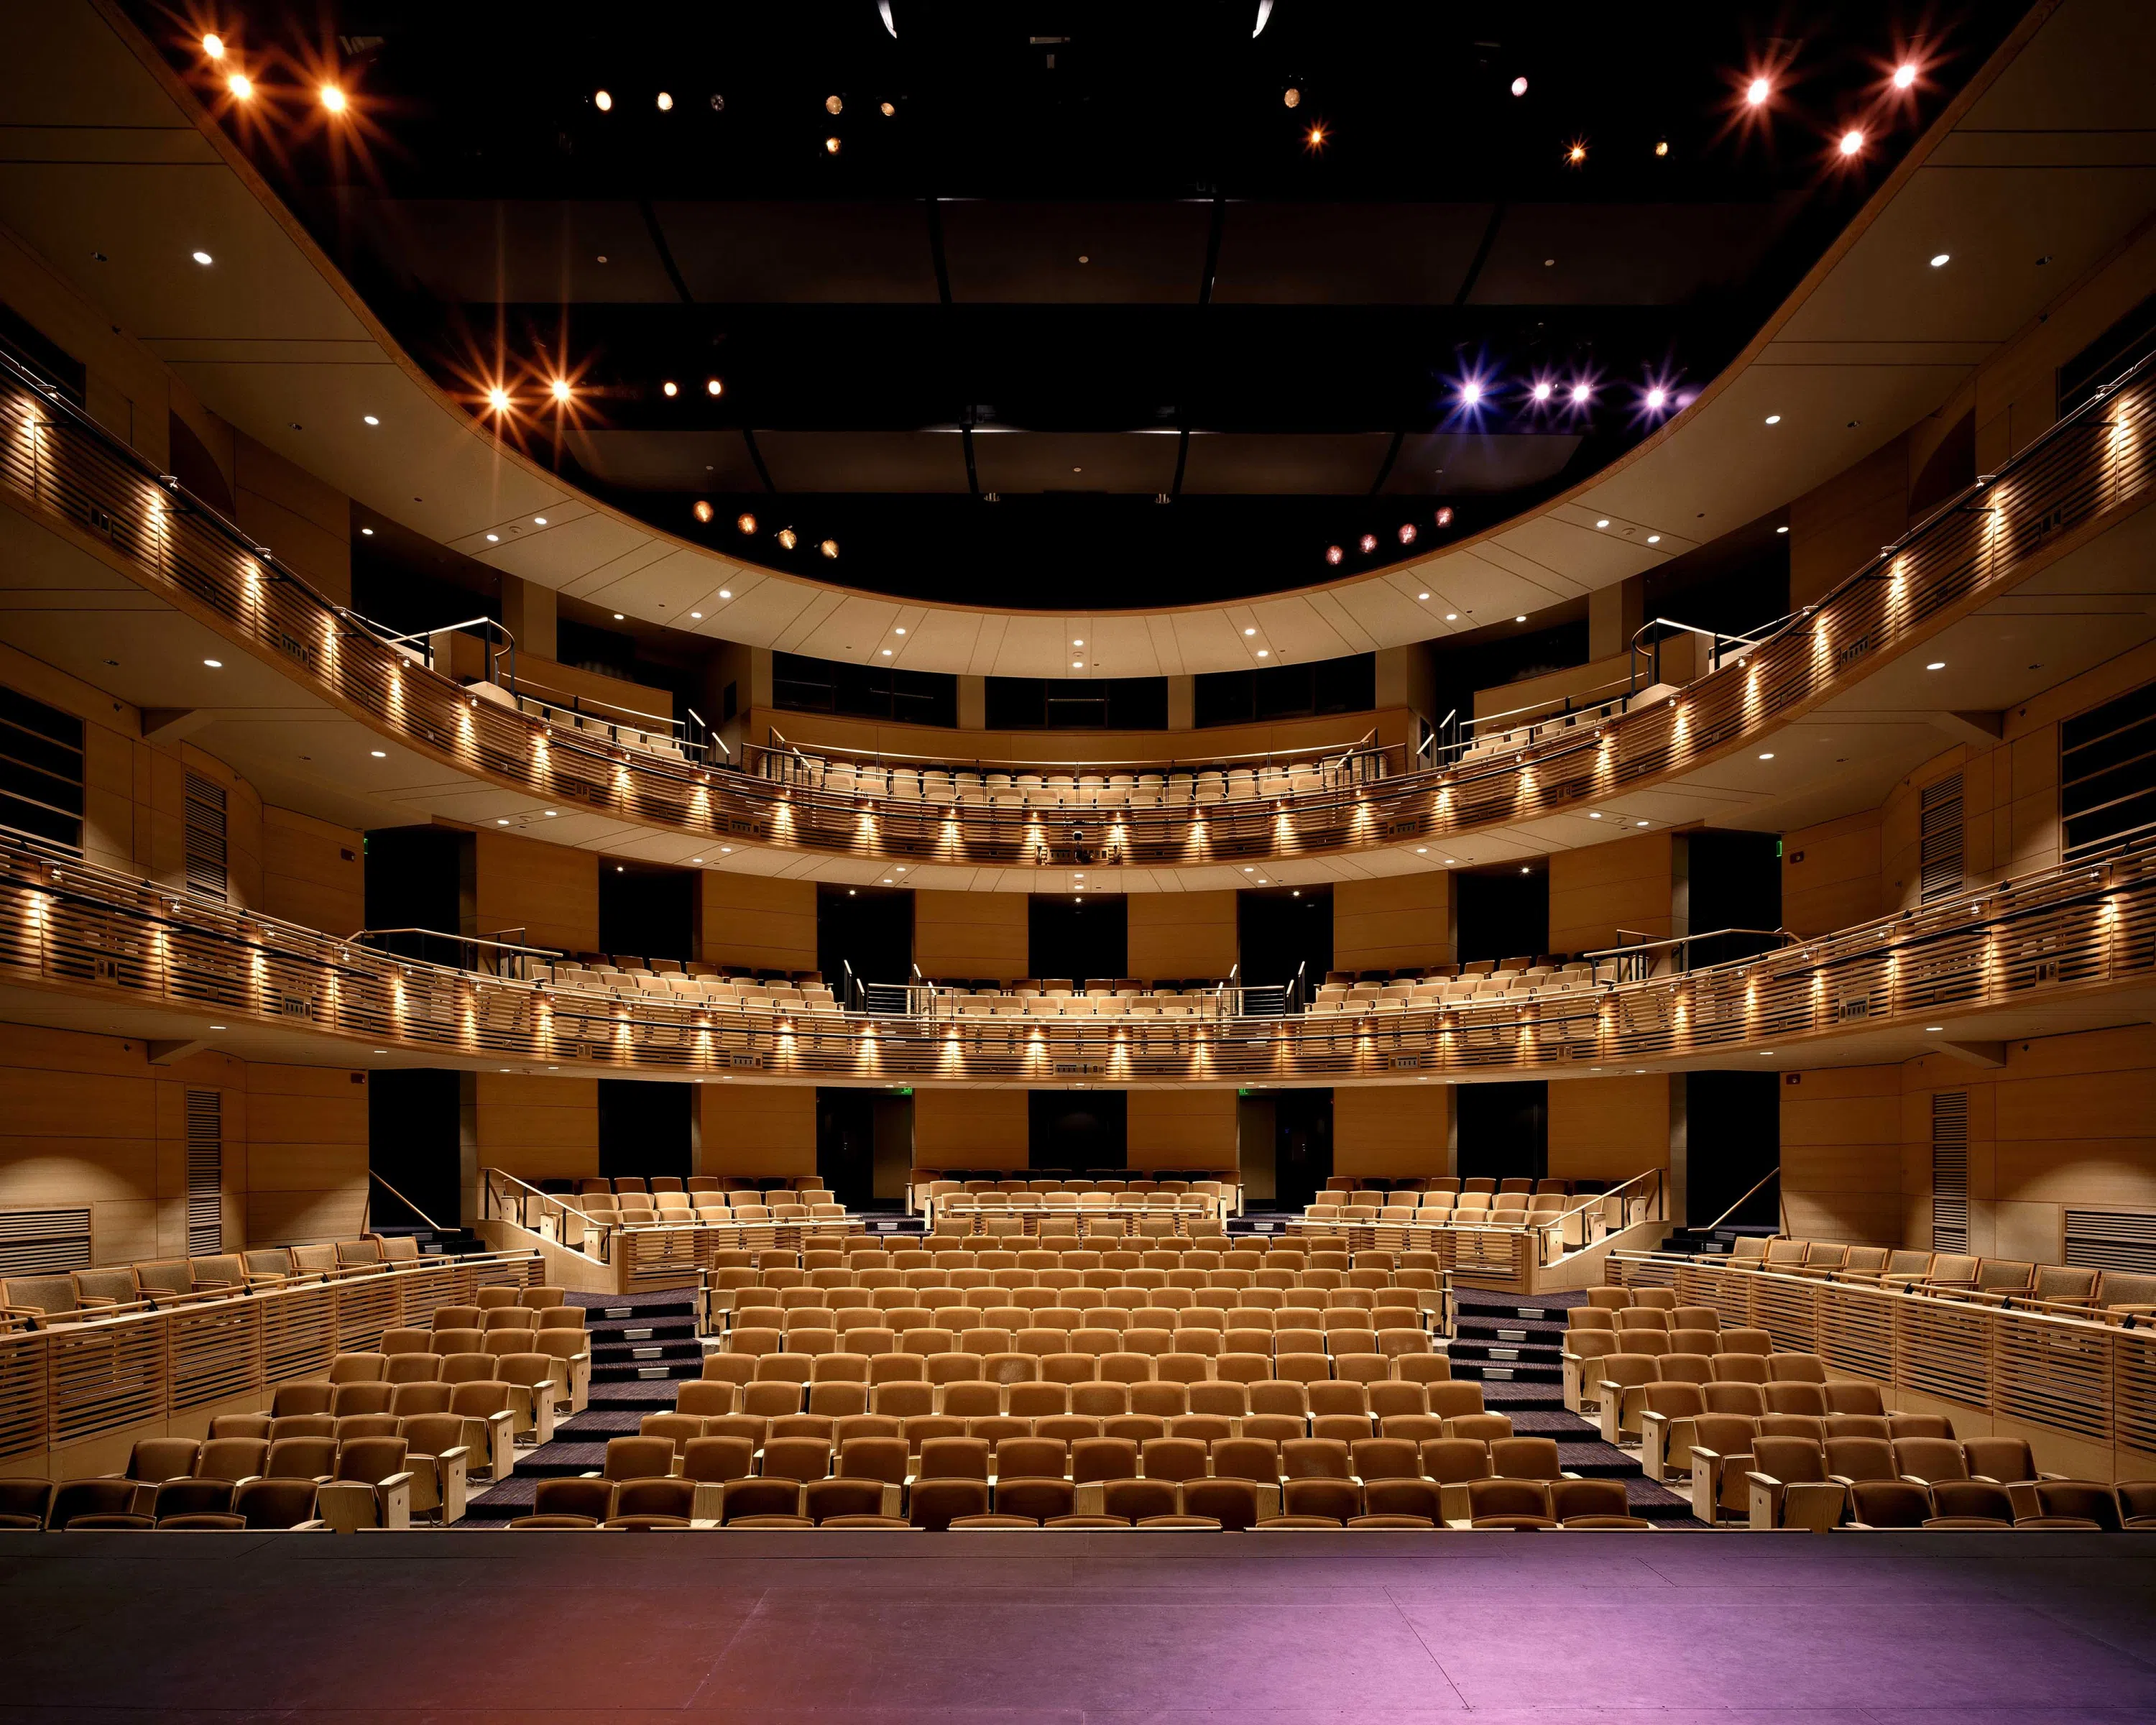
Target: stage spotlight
(602,100)
(747,523)
(702,511)
(1333,554)
(1445,517)
(1407,532)
(787,538)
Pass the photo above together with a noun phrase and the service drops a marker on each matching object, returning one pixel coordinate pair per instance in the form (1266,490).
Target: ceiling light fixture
(670,389)
(1314,137)
(829,547)
(1656,396)
(618,618)
(1250,631)
(887,110)
(1768,756)
(1333,554)
(698,615)
(1264,653)
(701,510)
(214,664)
(1905,74)
(787,538)
(1782,529)
(1407,532)
(1852,142)
(1773,419)
(602,100)
(726,593)
(1452,617)
(1937,664)
(1519,86)
(831,146)
(665,101)
(1443,516)
(367,532)
(214,45)
(1367,543)
(334,99)
(1594,816)
(1522,618)
(747,523)
(369,419)
(493,539)
(1756,92)
(1662,146)
(201,258)
(496,398)
(900,632)
(1941,259)
(1470,392)
(378,754)
(1422,596)
(1575,153)
(1604,522)
(538,521)
(834,106)
(713,386)
(241,85)
(1543,390)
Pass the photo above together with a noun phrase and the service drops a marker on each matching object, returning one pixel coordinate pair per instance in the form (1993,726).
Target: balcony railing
(2042,940)
(2096,462)
(2079,1379)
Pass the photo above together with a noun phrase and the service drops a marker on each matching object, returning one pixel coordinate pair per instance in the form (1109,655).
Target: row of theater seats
(1768,1474)
(816,1208)
(927,1185)
(2124,1294)
(1475,985)
(155,1283)
(1436,1209)
(1048,1477)
(699,987)
(1143,1002)
(297,1472)
(768,1388)
(1047,787)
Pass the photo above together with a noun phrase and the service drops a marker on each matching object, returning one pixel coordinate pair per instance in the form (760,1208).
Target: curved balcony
(2050,952)
(2088,470)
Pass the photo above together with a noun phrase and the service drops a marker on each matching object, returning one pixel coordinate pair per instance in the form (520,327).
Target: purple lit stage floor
(993,1629)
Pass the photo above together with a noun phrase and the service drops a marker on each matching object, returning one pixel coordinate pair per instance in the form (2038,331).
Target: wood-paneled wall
(1599,889)
(971,934)
(1181,1129)
(970,1129)
(313,872)
(1183,934)
(1608,1128)
(1393,726)
(1392,1130)
(1830,873)
(2068,1121)
(89,1121)
(306,1154)
(1392,922)
(550,891)
(538,1128)
(744,1129)
(305,521)
(1837,527)
(757,920)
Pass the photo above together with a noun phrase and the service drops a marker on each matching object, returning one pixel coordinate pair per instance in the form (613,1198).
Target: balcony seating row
(681,988)
(113,1290)
(2069,1288)
(1175,788)
(652,737)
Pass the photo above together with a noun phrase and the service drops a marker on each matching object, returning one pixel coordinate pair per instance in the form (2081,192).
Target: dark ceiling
(1088,310)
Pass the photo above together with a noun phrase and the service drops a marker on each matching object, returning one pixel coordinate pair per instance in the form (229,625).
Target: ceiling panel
(715,460)
(1339,464)
(1077,253)
(1347,254)
(1125,461)
(491,252)
(864,460)
(1453,463)
(808,253)
(1623,255)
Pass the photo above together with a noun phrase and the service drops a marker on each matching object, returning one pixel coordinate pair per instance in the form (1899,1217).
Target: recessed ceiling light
(214,45)
(618,618)
(1653,539)
(1656,396)
(1422,595)
(726,851)
(1604,522)
(1247,870)
(367,532)
(712,386)
(1639,822)
(1937,664)
(900,632)
(369,419)
(538,521)
(665,101)
(216,1027)
(1941,259)
(1250,631)
(1768,756)
(1905,74)
(602,100)
(214,664)
(500,822)
(1756,92)
(1075,664)
(1773,419)
(1519,86)
(1594,816)
(1522,618)
(493,539)
(378,754)
(1852,142)
(1264,654)
(1933,1030)
(1781,530)
(699,614)
(203,258)
(1452,617)
(726,593)
(1080,642)
(550,812)
(1422,850)
(497,398)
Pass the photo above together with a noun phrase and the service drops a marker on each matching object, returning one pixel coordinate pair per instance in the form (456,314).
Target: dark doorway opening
(1732,880)
(1502,913)
(868,928)
(1732,1141)
(1078,936)
(1077,1129)
(414,1143)
(647,913)
(1504,1130)
(1284,932)
(644,1127)
(420,877)
(1302,1147)
(846,1143)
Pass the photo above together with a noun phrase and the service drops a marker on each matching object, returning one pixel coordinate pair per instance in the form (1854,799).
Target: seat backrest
(1794,1461)
(369,1460)
(1525,1458)
(2006,1460)
(1929,1459)
(1889,1503)
(636,1458)
(1861,1458)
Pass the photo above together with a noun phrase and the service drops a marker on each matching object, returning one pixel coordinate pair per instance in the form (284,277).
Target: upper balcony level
(2066,511)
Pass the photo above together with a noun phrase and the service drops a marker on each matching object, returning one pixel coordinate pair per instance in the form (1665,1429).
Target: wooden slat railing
(69,1382)
(2086,1380)
(2094,465)
(2045,938)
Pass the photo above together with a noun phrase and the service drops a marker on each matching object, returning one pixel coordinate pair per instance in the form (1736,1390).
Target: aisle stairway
(1513,1346)
(643,1345)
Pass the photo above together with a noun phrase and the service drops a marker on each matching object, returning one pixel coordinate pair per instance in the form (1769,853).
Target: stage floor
(1081,1628)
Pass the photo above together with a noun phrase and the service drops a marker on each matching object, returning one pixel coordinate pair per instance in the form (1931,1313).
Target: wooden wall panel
(1841,1155)
(1392,1131)
(80,1119)
(971,934)
(313,872)
(1181,1128)
(1393,726)
(1830,873)
(747,1129)
(550,891)
(757,920)
(1600,889)
(538,1128)
(1183,934)
(306,1154)
(969,1128)
(1608,1128)
(1392,922)
(1837,527)
(305,521)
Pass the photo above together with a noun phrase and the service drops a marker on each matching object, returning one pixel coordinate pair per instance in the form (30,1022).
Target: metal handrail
(1771,1173)
(367,1210)
(1553,1231)
(1320,757)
